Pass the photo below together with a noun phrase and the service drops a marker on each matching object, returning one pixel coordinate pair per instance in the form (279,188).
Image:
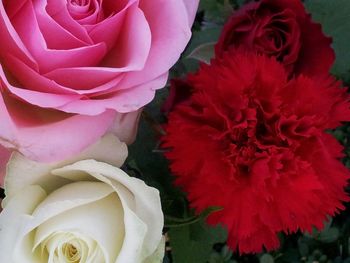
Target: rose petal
(10,41)
(57,10)
(22,172)
(42,140)
(158,255)
(139,201)
(38,98)
(107,31)
(4,157)
(125,126)
(26,25)
(13,218)
(191,7)
(103,220)
(165,28)
(129,50)
(83,193)
(122,101)
(91,13)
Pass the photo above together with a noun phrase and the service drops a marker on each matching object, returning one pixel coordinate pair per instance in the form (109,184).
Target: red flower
(179,91)
(253,142)
(283,29)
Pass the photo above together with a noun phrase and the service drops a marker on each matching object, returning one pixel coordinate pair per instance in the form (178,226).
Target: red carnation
(253,142)
(179,91)
(283,29)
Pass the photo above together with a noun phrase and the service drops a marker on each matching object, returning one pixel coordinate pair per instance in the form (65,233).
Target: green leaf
(329,235)
(193,243)
(216,11)
(303,247)
(147,162)
(335,20)
(179,222)
(267,258)
(207,35)
(203,53)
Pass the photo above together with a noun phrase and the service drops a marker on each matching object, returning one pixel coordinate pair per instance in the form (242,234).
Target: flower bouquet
(184,131)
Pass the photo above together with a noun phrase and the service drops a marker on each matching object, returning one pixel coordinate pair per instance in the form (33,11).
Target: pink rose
(4,157)
(73,69)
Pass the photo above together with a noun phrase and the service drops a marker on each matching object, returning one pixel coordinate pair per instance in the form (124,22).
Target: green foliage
(193,243)
(334,17)
(267,258)
(225,256)
(216,11)
(203,53)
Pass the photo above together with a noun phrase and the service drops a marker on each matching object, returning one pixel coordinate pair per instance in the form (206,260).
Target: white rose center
(64,247)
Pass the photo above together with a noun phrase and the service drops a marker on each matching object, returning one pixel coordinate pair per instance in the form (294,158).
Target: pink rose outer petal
(53,141)
(125,126)
(191,6)
(4,157)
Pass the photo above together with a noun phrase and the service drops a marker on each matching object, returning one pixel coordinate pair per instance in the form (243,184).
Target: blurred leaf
(208,35)
(329,235)
(267,258)
(216,11)
(193,244)
(303,247)
(203,53)
(334,17)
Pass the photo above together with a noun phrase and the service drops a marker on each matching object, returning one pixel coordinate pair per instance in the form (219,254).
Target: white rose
(80,211)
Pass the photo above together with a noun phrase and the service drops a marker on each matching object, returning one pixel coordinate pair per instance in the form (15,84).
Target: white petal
(75,194)
(102,221)
(158,255)
(22,171)
(13,218)
(139,201)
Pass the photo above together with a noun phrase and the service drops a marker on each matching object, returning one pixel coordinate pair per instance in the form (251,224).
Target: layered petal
(141,214)
(23,172)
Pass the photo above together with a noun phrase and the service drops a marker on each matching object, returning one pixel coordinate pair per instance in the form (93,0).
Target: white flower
(80,211)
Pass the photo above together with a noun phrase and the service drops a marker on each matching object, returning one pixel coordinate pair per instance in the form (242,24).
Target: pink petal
(27,27)
(108,30)
(133,45)
(170,35)
(62,140)
(32,79)
(67,36)
(10,41)
(42,137)
(123,101)
(125,126)
(84,78)
(57,10)
(191,6)
(4,157)
(86,16)
(42,99)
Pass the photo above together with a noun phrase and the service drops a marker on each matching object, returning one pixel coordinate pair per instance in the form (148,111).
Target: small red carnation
(253,142)
(283,29)
(179,91)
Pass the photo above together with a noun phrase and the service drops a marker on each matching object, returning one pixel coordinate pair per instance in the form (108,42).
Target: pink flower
(4,157)
(72,70)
